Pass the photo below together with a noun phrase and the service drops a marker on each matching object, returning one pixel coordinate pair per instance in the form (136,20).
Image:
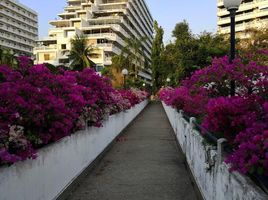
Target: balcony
(240,17)
(60,23)
(17,40)
(22,12)
(46,48)
(144,19)
(262,13)
(32,29)
(68,15)
(144,75)
(16,47)
(72,8)
(45,39)
(111,8)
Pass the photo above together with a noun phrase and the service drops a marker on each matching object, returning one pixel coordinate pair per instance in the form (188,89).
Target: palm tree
(80,53)
(7,57)
(132,56)
(136,54)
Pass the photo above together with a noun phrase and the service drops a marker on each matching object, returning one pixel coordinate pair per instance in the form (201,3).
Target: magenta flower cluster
(241,119)
(38,107)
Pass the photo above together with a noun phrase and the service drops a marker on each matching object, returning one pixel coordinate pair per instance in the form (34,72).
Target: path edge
(193,181)
(76,182)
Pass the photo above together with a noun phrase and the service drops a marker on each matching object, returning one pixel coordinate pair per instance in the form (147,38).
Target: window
(101,41)
(46,57)
(63,46)
(94,55)
(99,68)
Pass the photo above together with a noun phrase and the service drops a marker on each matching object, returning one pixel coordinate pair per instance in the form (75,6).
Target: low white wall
(60,163)
(211,174)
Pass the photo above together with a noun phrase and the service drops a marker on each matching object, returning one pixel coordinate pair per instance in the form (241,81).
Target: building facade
(105,23)
(18,27)
(251,14)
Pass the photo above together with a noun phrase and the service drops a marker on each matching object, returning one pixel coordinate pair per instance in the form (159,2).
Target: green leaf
(260,170)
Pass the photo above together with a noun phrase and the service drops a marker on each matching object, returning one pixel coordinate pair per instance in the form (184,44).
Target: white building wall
(18,27)
(251,14)
(107,23)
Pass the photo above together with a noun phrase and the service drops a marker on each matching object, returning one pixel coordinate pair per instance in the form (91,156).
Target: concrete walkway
(144,164)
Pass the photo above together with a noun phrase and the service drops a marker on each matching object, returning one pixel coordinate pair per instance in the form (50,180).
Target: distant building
(18,27)
(251,14)
(105,23)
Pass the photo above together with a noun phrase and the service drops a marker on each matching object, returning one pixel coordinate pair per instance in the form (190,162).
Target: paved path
(144,164)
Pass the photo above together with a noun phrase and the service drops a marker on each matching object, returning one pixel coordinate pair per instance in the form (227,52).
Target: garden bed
(205,161)
(60,163)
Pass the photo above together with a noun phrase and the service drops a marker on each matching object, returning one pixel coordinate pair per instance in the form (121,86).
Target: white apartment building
(105,23)
(18,27)
(251,14)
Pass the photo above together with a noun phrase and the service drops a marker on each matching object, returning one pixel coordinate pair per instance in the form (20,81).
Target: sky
(200,14)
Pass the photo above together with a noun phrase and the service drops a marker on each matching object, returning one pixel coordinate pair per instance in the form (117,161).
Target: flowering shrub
(38,107)
(190,101)
(249,78)
(228,116)
(242,119)
(166,95)
(251,149)
(131,96)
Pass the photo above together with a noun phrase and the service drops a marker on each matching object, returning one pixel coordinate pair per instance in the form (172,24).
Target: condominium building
(251,14)
(105,23)
(18,27)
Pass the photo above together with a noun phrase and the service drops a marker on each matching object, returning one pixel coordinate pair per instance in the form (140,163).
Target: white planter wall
(211,174)
(58,164)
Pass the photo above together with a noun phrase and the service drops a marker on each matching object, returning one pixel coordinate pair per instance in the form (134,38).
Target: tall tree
(185,54)
(255,45)
(80,53)
(182,31)
(132,57)
(185,48)
(193,52)
(134,54)
(171,67)
(157,49)
(210,46)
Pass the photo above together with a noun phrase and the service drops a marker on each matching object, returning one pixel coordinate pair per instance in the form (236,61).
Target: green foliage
(157,49)
(80,53)
(191,52)
(7,57)
(134,83)
(255,45)
(182,31)
(55,69)
(107,71)
(195,52)
(132,58)
(52,68)
(187,53)
(119,62)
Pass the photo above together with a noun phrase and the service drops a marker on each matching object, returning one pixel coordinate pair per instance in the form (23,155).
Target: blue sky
(200,14)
